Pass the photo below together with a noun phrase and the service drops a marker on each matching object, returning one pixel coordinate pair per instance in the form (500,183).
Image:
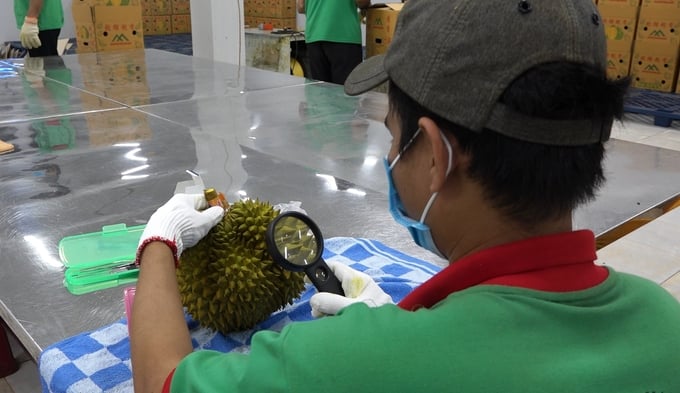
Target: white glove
(180,224)
(29,34)
(358,287)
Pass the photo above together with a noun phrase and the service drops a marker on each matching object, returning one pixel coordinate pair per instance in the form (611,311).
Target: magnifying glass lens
(296,241)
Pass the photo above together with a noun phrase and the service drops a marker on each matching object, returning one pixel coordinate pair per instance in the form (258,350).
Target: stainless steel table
(104,138)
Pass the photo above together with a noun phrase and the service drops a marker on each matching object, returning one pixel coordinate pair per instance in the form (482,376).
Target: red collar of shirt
(557,263)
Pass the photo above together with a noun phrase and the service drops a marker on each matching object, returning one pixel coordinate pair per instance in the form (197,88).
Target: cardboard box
(620,3)
(161,7)
(659,24)
(118,28)
(381,20)
(147,8)
(84,27)
(181,24)
(667,4)
(114,26)
(280,9)
(654,66)
(158,25)
(618,61)
(110,3)
(619,22)
(277,23)
(181,7)
(282,23)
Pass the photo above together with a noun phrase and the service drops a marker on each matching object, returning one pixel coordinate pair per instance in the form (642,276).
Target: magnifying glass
(295,243)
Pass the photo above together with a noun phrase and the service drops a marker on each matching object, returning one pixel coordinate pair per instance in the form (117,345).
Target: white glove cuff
(167,229)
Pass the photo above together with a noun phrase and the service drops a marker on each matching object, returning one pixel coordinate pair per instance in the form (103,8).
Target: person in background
(499,113)
(333,37)
(40,22)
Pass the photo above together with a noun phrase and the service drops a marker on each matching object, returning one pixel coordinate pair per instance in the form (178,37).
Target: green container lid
(100,260)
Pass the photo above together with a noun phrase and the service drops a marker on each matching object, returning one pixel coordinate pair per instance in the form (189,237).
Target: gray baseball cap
(457,57)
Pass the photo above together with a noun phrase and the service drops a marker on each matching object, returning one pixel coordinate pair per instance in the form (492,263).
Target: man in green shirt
(40,22)
(499,111)
(333,37)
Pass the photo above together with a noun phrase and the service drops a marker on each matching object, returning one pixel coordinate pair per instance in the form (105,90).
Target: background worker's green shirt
(621,336)
(51,16)
(332,20)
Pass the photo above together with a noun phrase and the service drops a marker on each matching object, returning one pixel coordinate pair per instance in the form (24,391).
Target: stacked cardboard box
(620,21)
(279,13)
(381,20)
(105,25)
(163,17)
(655,55)
(643,41)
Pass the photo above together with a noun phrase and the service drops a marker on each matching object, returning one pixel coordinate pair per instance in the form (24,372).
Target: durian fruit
(228,281)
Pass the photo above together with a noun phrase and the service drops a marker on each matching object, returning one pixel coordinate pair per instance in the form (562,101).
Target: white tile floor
(635,128)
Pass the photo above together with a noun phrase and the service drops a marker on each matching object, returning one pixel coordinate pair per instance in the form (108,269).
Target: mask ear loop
(408,144)
(448,171)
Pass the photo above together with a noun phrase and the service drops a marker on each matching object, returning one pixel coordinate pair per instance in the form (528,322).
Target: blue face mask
(420,232)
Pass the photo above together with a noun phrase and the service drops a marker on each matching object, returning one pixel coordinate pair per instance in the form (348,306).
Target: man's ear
(440,152)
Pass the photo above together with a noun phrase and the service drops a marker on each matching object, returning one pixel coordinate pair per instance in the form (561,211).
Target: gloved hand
(180,224)
(29,34)
(34,70)
(358,287)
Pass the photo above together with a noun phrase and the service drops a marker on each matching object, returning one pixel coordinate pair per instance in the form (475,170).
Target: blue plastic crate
(664,107)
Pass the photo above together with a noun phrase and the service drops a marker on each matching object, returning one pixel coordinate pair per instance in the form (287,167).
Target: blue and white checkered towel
(99,361)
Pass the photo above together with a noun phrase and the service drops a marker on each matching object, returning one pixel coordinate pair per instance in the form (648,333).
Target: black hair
(531,182)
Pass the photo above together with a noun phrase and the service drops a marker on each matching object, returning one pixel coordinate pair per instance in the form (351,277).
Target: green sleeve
(312,356)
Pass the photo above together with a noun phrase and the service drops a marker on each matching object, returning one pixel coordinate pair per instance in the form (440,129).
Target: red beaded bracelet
(147,241)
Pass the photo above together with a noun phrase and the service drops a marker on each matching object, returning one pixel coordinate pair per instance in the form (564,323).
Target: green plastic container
(100,260)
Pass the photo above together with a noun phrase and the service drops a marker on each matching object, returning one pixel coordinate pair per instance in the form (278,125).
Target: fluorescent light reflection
(135,169)
(131,155)
(356,191)
(330,181)
(133,177)
(243,156)
(370,161)
(44,256)
(130,144)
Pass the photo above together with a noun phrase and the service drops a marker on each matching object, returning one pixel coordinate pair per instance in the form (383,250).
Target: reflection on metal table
(104,138)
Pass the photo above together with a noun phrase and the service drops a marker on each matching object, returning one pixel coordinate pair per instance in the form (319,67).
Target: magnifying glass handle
(324,279)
